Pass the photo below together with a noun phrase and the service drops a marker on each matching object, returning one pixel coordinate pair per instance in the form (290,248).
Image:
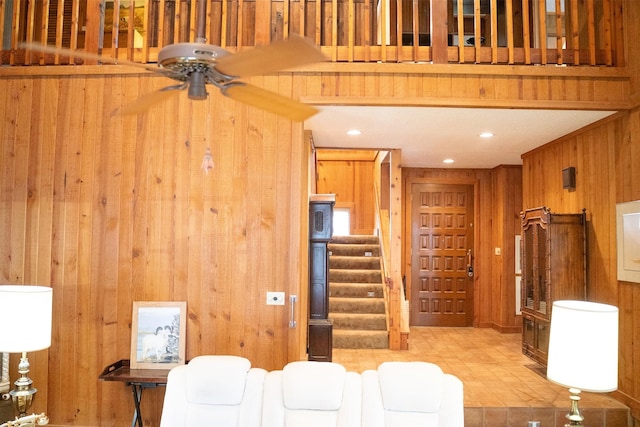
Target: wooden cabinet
(320,232)
(320,340)
(553,263)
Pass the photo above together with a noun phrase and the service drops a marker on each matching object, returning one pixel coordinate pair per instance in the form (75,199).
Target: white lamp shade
(583,346)
(27,311)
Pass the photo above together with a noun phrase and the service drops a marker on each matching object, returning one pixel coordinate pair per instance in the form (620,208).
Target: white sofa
(227,391)
(401,394)
(214,390)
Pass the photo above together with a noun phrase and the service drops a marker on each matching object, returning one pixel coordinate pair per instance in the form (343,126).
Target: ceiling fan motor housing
(180,56)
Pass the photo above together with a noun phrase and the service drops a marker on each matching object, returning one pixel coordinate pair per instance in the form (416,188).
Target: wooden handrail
(485,32)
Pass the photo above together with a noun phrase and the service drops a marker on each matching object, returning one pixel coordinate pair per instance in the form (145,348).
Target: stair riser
(358,263)
(359,250)
(360,341)
(379,324)
(361,290)
(361,307)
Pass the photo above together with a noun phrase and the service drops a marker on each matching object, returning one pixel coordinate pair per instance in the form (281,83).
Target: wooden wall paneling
(605,154)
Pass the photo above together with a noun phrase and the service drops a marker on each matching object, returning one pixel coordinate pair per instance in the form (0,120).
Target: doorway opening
(341,221)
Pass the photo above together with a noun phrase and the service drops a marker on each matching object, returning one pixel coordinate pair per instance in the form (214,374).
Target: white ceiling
(428,135)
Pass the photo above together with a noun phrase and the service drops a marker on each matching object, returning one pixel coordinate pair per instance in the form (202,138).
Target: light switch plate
(275,298)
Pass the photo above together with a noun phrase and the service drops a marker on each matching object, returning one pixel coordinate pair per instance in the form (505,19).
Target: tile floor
(502,387)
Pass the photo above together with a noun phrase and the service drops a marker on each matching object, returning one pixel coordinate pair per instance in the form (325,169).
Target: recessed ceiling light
(448,161)
(354,132)
(486,135)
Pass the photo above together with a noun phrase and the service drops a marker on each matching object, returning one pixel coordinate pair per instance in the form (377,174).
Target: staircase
(356,293)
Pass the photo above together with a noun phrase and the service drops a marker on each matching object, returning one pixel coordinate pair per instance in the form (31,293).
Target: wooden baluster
(367,31)
(131,31)
(44,27)
(147,30)
(285,19)
(240,28)
(29,29)
(493,11)
(526,32)
(334,30)
(510,32)
(382,28)
(415,29)
(319,26)
(262,28)
(477,30)
(398,29)
(224,17)
(461,43)
(573,34)
(559,44)
(607,28)
(542,28)
(591,30)
(439,31)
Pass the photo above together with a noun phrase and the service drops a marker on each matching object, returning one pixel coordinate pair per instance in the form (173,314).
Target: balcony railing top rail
(518,32)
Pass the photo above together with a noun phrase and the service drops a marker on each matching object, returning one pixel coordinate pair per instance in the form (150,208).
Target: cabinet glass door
(527,268)
(541,264)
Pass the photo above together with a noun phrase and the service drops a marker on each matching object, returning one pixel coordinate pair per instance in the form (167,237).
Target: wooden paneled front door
(441,253)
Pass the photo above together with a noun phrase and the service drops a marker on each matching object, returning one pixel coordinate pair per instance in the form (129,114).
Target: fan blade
(147,101)
(269,101)
(86,56)
(292,52)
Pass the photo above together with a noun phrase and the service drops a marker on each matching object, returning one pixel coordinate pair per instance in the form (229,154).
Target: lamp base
(22,395)
(574,416)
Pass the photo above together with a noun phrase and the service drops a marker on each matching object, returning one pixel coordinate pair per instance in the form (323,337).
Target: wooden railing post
(439,32)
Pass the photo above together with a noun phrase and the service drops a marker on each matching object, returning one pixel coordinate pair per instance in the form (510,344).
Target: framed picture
(628,241)
(158,334)
(4,373)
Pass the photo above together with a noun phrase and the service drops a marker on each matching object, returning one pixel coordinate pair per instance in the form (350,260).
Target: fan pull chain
(207,161)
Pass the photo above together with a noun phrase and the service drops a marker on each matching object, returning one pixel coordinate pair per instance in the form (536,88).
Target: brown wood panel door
(441,241)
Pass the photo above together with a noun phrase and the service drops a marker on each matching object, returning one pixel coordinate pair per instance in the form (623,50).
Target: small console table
(138,379)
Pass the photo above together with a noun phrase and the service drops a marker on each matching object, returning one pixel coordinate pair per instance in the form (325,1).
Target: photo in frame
(628,241)
(158,334)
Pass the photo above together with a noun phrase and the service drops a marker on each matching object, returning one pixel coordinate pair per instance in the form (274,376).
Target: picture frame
(5,384)
(628,241)
(158,334)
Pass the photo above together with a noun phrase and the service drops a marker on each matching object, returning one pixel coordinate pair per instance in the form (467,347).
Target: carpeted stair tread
(355,262)
(339,249)
(356,290)
(359,321)
(343,338)
(356,239)
(356,293)
(356,305)
(354,276)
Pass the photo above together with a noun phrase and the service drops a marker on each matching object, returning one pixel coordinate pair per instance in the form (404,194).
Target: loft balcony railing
(517,32)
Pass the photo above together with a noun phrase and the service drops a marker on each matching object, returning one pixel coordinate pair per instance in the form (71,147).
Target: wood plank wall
(606,158)
(111,209)
(352,183)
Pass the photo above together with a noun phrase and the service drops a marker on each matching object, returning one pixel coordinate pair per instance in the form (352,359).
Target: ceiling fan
(198,64)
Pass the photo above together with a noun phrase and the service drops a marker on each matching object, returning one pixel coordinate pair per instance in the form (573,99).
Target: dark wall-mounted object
(320,232)
(569,178)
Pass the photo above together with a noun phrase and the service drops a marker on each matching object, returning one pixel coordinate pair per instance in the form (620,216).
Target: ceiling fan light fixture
(197,86)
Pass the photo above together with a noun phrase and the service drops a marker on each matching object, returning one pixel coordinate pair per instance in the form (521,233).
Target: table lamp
(29,308)
(583,350)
